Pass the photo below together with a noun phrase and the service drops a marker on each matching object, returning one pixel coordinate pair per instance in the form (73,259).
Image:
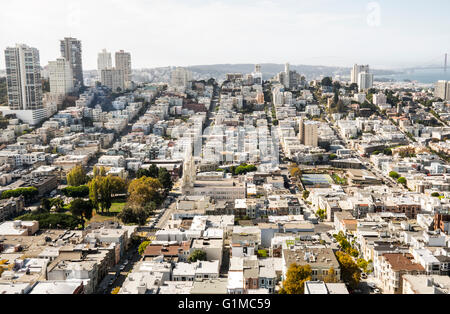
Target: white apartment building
(365,81)
(104,61)
(123,62)
(113,79)
(61,77)
(309,133)
(356,70)
(24,84)
(180,77)
(442,90)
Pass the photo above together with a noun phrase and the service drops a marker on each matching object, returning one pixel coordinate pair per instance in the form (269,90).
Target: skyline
(364,31)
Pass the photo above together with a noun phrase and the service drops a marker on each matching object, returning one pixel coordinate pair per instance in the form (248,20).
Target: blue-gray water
(422,76)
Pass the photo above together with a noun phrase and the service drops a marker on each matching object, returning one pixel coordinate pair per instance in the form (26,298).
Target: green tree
(99,171)
(105,192)
(133,214)
(327,81)
(82,209)
(58,204)
(402,181)
(53,221)
(322,214)
(165,179)
(118,185)
(144,190)
(94,194)
(143,246)
(142,173)
(77,176)
(46,204)
(394,175)
(387,151)
(197,255)
(363,264)
(28,193)
(296,277)
(353,87)
(295,172)
(350,271)
(76,191)
(331,277)
(153,171)
(305,194)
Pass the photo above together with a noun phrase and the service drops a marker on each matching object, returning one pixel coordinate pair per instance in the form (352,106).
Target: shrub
(197,255)
(27,193)
(76,191)
(53,221)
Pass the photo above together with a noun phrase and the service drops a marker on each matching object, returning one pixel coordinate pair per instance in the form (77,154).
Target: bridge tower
(445,62)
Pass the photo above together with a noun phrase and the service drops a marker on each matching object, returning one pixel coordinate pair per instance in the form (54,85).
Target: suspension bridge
(438,63)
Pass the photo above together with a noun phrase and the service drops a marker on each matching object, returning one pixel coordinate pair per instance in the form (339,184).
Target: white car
(377,291)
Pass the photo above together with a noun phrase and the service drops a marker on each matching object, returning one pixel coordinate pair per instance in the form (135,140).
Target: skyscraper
(72,52)
(356,70)
(113,79)
(365,81)
(24,85)
(123,62)
(301,129)
(257,75)
(104,61)
(61,77)
(287,76)
(311,134)
(180,77)
(442,90)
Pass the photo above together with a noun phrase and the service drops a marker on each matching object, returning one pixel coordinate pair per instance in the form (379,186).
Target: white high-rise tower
(24,86)
(104,61)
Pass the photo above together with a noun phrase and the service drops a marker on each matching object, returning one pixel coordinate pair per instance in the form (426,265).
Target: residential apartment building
(104,61)
(393,267)
(442,90)
(61,77)
(71,50)
(123,63)
(24,86)
(113,79)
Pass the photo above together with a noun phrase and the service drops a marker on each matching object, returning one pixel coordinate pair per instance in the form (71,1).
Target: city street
(116,276)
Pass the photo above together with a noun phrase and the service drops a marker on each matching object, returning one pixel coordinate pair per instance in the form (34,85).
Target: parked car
(377,291)
(371,285)
(122,268)
(364,276)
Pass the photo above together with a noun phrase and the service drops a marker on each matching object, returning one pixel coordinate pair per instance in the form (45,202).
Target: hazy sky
(382,33)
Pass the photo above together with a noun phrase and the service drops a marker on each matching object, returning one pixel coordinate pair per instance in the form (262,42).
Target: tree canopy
(82,209)
(77,176)
(296,277)
(197,255)
(350,271)
(144,190)
(327,81)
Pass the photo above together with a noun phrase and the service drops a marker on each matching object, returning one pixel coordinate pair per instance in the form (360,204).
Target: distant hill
(271,69)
